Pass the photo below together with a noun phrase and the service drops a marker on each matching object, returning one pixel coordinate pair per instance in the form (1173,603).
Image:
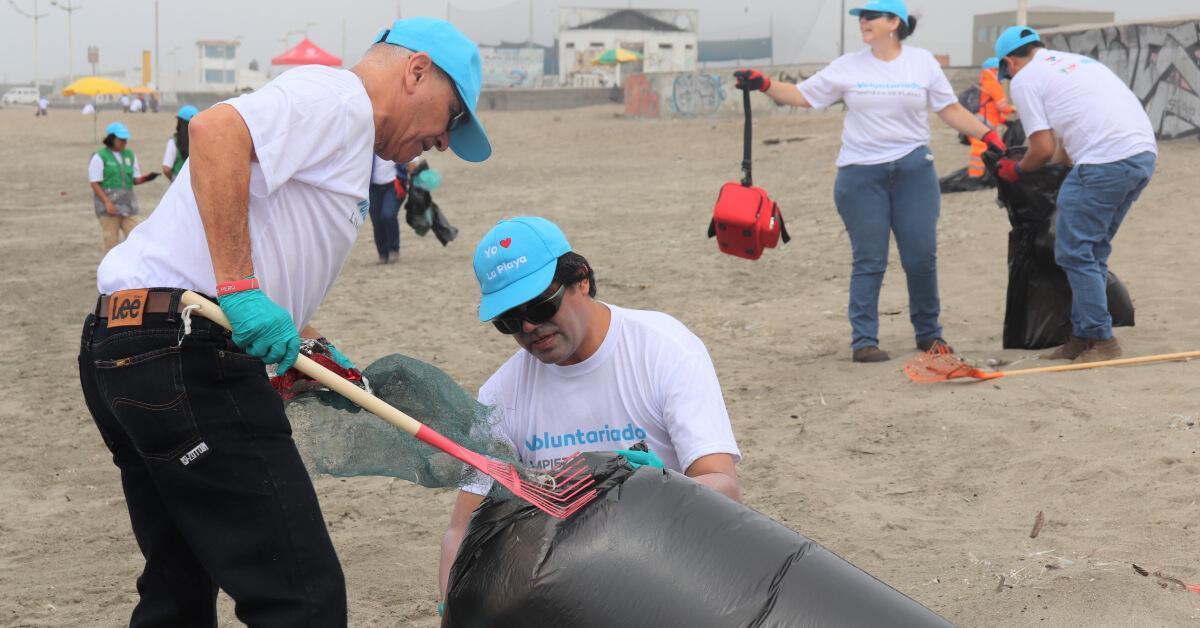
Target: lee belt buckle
(126,307)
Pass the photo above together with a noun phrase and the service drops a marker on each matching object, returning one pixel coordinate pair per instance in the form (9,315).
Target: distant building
(666,39)
(988,26)
(216,65)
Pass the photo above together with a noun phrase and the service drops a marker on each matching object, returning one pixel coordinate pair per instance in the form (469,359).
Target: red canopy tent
(306,53)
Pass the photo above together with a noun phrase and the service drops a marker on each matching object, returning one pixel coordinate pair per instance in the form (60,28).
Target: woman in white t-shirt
(886,182)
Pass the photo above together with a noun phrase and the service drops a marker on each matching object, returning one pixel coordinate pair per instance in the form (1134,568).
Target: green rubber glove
(637,459)
(262,328)
(338,357)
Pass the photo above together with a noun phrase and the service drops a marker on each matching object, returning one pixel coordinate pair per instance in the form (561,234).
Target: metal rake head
(940,364)
(559,492)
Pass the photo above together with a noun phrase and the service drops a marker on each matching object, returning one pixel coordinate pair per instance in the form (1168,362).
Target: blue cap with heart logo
(515,262)
(458,57)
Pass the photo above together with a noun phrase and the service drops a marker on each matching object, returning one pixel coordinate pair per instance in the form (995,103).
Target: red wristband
(241,285)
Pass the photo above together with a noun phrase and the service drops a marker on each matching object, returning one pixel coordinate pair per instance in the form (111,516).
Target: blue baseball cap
(187,112)
(515,262)
(118,129)
(458,57)
(1014,37)
(991,63)
(895,7)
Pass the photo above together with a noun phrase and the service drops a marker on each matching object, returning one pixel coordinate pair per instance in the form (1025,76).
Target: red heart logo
(505,242)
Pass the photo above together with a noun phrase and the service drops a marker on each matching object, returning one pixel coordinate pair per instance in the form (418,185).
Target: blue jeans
(900,197)
(385,208)
(1092,202)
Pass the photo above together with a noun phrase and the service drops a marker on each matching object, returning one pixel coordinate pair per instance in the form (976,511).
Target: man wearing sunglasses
(262,217)
(589,376)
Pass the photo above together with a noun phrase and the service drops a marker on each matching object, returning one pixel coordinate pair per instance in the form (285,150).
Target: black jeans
(215,487)
(385,211)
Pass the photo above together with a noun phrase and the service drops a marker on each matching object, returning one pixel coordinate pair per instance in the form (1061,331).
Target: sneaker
(930,343)
(870,354)
(383,259)
(1100,350)
(1069,351)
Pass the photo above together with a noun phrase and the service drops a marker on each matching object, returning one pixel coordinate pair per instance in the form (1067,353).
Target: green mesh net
(336,438)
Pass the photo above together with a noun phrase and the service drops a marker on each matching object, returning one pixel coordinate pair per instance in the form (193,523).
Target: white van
(21,96)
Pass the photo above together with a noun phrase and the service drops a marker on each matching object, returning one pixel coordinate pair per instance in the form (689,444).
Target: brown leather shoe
(1069,351)
(870,354)
(1100,350)
(929,343)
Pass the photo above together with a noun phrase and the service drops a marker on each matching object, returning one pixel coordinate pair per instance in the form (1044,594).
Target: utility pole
(842,30)
(530,44)
(343,42)
(36,17)
(1022,11)
(70,8)
(157,63)
(771,36)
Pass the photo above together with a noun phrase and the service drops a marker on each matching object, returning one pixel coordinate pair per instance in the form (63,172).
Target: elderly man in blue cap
(589,375)
(1106,133)
(261,218)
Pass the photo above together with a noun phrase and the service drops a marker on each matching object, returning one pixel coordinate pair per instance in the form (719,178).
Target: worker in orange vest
(993,110)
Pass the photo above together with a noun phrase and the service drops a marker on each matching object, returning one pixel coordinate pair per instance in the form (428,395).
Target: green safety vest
(178,161)
(117,173)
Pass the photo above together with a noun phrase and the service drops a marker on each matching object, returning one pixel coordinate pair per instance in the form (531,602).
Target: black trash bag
(1014,133)
(423,214)
(1038,308)
(960,181)
(657,549)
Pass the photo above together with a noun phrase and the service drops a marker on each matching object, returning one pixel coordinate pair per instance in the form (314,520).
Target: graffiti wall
(512,67)
(692,94)
(1160,62)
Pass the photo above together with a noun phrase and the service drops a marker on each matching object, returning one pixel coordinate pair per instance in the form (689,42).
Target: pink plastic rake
(558,492)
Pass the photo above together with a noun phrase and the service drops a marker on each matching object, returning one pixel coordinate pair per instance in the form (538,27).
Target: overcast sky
(805,30)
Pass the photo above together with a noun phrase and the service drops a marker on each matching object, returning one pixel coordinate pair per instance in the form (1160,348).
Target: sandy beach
(934,489)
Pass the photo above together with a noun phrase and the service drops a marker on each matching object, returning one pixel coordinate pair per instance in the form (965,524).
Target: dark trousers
(385,209)
(217,493)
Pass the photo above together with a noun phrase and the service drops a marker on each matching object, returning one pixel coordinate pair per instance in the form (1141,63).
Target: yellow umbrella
(144,89)
(614,56)
(617,56)
(94,86)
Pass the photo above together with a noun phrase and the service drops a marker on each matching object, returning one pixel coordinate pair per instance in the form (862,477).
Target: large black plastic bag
(1038,309)
(657,549)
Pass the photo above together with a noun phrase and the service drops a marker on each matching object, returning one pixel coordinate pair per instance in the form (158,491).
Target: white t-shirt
(1094,113)
(383,171)
(43,103)
(136,105)
(124,101)
(96,167)
(170,154)
(313,135)
(651,379)
(887,102)
(88,109)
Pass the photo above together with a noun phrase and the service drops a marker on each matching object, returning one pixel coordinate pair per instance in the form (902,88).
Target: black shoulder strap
(747,179)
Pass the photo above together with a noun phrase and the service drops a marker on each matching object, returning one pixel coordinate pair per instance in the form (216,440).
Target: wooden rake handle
(1146,359)
(331,380)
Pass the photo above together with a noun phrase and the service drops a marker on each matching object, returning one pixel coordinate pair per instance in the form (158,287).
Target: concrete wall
(689,94)
(662,51)
(549,98)
(988,26)
(1159,61)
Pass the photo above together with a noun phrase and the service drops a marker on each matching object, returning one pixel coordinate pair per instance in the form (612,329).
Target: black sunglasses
(460,118)
(872,15)
(536,312)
